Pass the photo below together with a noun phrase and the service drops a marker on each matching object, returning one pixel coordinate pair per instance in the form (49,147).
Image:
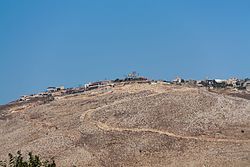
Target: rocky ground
(133,125)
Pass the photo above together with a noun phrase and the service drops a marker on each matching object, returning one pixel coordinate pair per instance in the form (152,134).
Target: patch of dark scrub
(241,95)
(86,102)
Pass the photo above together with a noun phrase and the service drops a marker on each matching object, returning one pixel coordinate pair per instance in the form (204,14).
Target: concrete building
(232,82)
(247,85)
(178,80)
(54,89)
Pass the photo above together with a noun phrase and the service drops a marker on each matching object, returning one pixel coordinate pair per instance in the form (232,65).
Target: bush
(32,161)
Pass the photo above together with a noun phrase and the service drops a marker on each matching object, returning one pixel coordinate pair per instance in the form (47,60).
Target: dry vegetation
(133,125)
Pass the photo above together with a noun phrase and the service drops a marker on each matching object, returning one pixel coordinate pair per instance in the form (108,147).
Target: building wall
(248,88)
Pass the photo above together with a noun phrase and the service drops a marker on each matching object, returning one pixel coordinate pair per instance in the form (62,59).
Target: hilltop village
(133,121)
(233,85)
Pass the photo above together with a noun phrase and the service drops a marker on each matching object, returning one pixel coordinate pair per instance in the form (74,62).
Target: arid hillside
(132,125)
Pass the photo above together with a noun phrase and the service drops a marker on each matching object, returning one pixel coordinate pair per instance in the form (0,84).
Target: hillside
(132,125)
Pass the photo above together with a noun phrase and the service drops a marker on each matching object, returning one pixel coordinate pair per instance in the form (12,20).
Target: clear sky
(57,42)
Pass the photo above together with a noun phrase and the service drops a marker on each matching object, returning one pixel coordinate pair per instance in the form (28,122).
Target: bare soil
(133,125)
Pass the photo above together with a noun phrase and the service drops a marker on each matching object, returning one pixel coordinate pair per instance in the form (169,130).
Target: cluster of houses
(240,84)
(51,92)
(60,91)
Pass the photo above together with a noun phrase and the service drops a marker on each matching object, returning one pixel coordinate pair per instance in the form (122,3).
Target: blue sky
(51,43)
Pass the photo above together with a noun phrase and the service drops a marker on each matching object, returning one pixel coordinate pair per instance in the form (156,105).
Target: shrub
(32,161)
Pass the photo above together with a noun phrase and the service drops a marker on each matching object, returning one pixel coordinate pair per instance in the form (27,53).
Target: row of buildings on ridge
(239,84)
(51,92)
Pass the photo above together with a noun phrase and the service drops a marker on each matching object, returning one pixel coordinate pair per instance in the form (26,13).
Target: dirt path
(86,117)
(107,128)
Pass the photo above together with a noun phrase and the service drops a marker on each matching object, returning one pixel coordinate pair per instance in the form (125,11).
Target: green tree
(32,161)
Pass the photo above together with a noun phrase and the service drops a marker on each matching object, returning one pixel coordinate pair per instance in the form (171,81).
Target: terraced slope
(134,125)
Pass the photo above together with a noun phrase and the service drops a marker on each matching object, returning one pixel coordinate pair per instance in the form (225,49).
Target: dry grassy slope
(134,125)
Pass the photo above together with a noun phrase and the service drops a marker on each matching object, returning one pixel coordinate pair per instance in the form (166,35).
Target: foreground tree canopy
(32,161)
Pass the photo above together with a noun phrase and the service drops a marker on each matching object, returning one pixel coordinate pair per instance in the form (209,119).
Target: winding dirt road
(86,117)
